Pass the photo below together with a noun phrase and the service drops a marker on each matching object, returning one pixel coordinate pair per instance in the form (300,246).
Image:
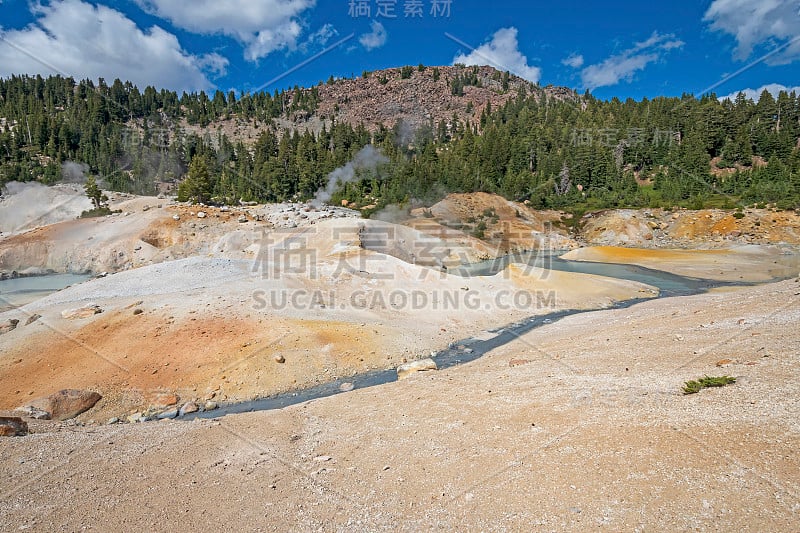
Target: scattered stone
(30,411)
(518,362)
(113,420)
(136,418)
(188,408)
(423,365)
(13,426)
(8,325)
(168,415)
(176,217)
(201,214)
(33,318)
(724,362)
(138,311)
(210,406)
(279,359)
(81,312)
(346,387)
(66,404)
(323,458)
(242,219)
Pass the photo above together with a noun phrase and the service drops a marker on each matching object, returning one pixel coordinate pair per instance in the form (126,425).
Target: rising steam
(365,161)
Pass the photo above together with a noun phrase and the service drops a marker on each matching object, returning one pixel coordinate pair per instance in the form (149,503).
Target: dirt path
(588,429)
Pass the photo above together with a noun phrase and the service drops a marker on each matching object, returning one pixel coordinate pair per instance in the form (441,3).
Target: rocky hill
(414,95)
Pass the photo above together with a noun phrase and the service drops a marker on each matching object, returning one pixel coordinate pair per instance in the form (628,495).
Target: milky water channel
(466,350)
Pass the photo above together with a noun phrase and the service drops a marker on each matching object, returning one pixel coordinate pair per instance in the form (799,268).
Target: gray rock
(137,418)
(169,414)
(423,365)
(30,411)
(188,408)
(8,325)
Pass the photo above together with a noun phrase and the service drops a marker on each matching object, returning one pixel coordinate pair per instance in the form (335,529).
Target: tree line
(562,152)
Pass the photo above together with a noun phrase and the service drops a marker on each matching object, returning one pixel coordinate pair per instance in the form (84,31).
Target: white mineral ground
(578,424)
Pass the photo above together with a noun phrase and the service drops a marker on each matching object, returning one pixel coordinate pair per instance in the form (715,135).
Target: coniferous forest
(566,153)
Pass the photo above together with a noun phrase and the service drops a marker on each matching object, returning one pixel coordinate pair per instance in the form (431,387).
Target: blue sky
(613,48)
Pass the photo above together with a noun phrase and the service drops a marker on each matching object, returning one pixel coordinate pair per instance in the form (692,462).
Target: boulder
(12,426)
(81,312)
(65,404)
(423,365)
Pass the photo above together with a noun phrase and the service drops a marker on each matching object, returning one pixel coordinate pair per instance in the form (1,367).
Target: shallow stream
(467,350)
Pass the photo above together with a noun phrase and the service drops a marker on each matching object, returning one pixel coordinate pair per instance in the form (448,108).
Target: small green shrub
(692,387)
(98,212)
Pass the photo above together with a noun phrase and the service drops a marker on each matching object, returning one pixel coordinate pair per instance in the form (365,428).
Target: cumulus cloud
(574,61)
(376,38)
(502,52)
(754,94)
(85,41)
(757,22)
(262,26)
(623,66)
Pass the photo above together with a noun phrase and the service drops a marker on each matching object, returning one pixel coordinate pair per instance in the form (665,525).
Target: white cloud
(319,38)
(502,52)
(262,26)
(757,22)
(376,38)
(84,41)
(574,61)
(623,66)
(755,94)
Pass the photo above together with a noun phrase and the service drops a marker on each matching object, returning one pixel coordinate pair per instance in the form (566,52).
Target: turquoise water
(21,291)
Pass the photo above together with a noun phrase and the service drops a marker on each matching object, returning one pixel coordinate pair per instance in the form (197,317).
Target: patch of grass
(693,387)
